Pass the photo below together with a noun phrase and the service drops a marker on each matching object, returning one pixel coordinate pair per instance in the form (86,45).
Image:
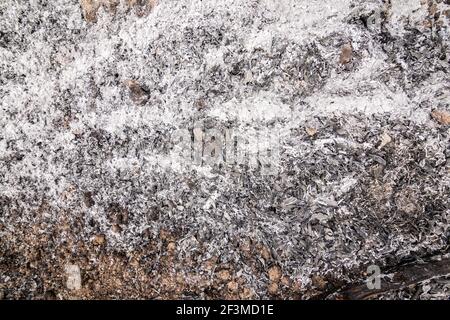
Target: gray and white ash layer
(92,93)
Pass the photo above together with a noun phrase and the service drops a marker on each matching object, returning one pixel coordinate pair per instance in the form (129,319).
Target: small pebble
(90,8)
(99,240)
(73,274)
(385,139)
(232,286)
(171,246)
(224,275)
(346,54)
(273,288)
(265,253)
(311,131)
(274,273)
(285,281)
(137,93)
(441,116)
(319,282)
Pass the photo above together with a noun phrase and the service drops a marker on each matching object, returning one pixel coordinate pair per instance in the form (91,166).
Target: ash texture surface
(98,200)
